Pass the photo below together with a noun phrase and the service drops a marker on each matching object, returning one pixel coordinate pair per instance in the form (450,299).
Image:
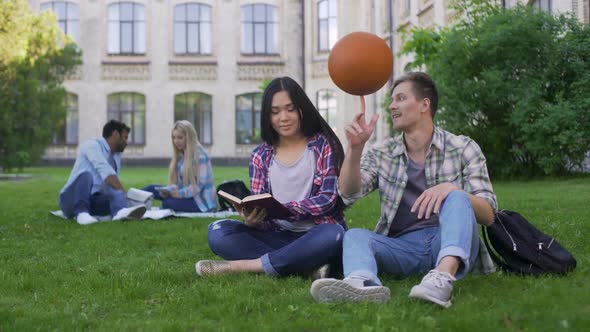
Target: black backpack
(235,187)
(517,246)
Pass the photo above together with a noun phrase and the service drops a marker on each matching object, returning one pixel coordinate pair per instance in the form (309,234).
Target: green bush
(515,80)
(35,57)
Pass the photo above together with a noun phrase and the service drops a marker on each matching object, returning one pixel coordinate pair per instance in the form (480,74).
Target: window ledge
(125,62)
(260,58)
(425,8)
(193,62)
(261,63)
(403,25)
(63,145)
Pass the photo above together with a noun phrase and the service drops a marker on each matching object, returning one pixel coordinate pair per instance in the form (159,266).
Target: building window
(192,28)
(543,5)
(327,106)
(68,16)
(196,108)
(126,28)
(68,127)
(407,8)
(248,118)
(129,107)
(327,25)
(509,3)
(260,29)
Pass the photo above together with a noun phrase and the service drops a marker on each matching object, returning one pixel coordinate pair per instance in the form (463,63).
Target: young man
(434,189)
(94,187)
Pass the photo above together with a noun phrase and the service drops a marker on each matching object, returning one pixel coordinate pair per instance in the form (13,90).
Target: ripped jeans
(282,252)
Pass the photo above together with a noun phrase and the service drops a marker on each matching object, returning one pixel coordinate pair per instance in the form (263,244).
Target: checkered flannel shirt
(455,159)
(321,205)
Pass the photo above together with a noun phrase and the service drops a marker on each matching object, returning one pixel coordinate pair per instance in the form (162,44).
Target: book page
(138,194)
(255,197)
(229,197)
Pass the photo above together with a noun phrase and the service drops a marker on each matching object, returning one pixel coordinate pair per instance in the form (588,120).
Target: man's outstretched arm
(357,134)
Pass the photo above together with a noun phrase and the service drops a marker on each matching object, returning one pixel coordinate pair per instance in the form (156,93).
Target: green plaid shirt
(452,158)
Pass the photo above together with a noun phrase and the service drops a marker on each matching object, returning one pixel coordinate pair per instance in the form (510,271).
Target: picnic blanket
(157,213)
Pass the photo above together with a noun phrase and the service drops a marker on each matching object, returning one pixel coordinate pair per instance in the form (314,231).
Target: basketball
(360,63)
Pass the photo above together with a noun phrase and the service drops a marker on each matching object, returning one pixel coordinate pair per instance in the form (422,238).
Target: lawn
(139,275)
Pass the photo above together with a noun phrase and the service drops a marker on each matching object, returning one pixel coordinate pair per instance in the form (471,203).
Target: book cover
(274,209)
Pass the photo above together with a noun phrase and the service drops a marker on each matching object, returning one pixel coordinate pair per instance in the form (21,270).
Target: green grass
(139,275)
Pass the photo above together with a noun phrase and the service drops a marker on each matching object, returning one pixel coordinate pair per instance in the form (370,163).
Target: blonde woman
(191,187)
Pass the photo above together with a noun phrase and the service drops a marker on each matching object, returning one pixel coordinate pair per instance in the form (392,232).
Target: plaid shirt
(320,206)
(204,192)
(452,158)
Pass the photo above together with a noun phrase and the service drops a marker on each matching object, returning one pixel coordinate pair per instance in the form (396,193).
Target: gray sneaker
(435,287)
(348,290)
(207,268)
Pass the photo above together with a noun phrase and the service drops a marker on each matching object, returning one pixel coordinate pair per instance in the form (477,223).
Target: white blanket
(156,213)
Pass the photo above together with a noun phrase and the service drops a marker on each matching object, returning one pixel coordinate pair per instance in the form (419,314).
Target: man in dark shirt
(434,189)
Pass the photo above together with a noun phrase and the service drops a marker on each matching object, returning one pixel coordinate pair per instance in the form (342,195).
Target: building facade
(152,62)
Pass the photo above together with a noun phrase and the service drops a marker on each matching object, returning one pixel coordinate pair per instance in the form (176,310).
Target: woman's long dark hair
(311,121)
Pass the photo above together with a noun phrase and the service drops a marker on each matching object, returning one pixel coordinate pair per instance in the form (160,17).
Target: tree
(515,80)
(35,58)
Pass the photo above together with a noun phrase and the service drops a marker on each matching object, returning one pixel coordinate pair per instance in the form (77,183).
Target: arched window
(248,118)
(509,3)
(127,32)
(196,108)
(327,106)
(68,132)
(129,107)
(68,16)
(192,28)
(407,8)
(327,24)
(260,29)
(544,5)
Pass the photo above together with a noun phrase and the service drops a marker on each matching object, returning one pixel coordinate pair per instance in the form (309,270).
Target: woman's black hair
(311,121)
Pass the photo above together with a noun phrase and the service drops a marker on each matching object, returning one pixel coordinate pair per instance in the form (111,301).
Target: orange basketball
(360,63)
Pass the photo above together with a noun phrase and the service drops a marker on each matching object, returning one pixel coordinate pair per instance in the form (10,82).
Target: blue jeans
(282,252)
(174,204)
(76,198)
(415,253)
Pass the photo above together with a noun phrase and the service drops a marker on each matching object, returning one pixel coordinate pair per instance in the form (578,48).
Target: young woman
(298,163)
(191,186)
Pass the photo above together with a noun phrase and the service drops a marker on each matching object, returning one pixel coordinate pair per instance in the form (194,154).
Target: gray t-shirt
(292,183)
(405,221)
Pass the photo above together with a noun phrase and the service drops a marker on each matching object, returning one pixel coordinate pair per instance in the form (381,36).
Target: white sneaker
(348,290)
(83,218)
(133,212)
(436,287)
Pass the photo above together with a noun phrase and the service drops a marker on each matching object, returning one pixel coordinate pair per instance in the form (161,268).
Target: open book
(137,196)
(274,208)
